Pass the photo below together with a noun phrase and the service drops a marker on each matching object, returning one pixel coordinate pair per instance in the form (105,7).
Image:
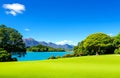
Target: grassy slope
(107,66)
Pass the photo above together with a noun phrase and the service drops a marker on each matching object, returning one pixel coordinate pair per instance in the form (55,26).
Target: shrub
(58,57)
(52,57)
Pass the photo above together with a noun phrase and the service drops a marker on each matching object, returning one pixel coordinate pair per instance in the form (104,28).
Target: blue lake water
(30,56)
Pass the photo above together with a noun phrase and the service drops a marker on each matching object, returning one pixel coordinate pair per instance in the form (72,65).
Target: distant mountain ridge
(32,42)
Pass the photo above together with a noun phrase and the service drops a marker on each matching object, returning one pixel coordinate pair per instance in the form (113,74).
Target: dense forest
(41,48)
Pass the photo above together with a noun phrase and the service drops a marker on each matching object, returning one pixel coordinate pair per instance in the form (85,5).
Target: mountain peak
(32,42)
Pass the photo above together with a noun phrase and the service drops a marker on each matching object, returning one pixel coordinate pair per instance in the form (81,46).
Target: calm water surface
(30,56)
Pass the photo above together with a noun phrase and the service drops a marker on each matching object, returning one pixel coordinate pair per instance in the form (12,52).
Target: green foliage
(98,43)
(52,57)
(58,57)
(80,50)
(11,39)
(5,56)
(117,51)
(116,41)
(41,48)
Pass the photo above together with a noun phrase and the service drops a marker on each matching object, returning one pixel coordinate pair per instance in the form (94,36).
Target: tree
(11,40)
(99,43)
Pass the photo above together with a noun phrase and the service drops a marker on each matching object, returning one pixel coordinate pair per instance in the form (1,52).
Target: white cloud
(27,29)
(65,42)
(11,12)
(14,8)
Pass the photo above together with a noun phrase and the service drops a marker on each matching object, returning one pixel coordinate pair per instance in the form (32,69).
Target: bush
(58,57)
(52,57)
(117,51)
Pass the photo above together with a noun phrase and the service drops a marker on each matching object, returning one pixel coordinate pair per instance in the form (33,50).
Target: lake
(30,56)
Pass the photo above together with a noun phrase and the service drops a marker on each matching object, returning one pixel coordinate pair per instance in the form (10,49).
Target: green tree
(98,43)
(11,40)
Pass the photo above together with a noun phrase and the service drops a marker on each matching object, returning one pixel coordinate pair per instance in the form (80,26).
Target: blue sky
(61,21)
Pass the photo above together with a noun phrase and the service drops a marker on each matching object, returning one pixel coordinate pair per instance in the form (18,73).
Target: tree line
(41,48)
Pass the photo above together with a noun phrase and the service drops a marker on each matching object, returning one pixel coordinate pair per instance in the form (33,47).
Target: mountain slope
(32,42)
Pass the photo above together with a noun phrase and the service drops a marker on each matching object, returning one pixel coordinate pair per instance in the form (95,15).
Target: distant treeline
(41,48)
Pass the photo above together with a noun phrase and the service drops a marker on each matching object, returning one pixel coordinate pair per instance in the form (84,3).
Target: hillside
(33,42)
(106,66)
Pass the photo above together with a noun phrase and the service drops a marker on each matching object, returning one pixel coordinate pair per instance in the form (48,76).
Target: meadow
(104,66)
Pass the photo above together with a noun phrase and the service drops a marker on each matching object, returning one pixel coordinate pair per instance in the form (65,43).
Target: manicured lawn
(106,66)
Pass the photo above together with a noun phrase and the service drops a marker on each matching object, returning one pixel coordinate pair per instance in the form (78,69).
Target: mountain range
(32,42)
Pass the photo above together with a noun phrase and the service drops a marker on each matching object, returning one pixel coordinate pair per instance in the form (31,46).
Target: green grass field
(107,66)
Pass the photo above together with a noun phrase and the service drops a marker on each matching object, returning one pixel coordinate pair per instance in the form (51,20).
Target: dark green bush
(52,57)
(58,57)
